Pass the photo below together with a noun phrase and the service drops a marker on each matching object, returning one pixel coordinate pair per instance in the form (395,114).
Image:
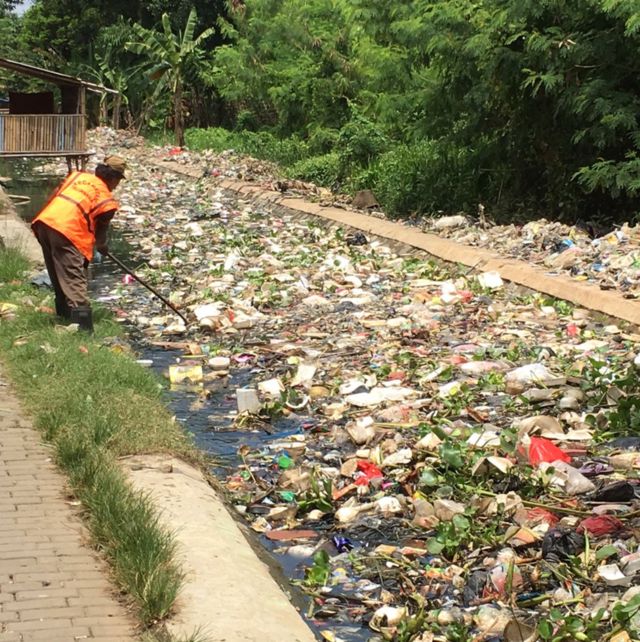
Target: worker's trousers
(67,269)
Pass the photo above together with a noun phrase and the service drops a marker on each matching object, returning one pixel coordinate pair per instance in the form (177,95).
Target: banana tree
(107,71)
(170,56)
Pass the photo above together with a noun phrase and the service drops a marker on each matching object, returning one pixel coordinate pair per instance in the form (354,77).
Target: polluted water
(431,453)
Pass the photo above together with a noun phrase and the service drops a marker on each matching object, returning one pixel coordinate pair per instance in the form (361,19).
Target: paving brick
(52,613)
(98,631)
(58,576)
(73,634)
(103,600)
(42,625)
(15,552)
(14,565)
(88,587)
(25,501)
(83,567)
(42,593)
(8,616)
(96,621)
(42,603)
(14,587)
(22,537)
(110,610)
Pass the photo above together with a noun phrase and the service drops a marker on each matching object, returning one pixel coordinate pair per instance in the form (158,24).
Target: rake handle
(130,272)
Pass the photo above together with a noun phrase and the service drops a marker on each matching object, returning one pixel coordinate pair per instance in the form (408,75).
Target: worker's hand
(103,249)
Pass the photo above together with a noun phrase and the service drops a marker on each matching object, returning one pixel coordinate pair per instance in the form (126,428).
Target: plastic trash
(387,616)
(490,280)
(567,478)
(613,576)
(248,401)
(187,373)
(445,222)
(619,491)
(561,543)
(543,450)
(534,373)
(600,525)
(368,472)
(219,363)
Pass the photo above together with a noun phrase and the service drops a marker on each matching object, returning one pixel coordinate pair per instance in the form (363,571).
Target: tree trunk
(104,110)
(116,111)
(178,122)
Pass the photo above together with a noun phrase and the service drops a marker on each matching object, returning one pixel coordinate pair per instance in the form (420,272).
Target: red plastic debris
(369,472)
(600,525)
(541,515)
(542,449)
(573,330)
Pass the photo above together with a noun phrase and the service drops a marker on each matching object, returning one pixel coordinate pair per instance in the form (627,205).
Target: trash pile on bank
(608,257)
(446,457)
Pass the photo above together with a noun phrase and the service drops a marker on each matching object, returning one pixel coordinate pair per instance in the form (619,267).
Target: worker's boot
(82,316)
(62,308)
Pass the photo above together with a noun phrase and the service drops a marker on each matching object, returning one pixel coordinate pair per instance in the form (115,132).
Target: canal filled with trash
(428,453)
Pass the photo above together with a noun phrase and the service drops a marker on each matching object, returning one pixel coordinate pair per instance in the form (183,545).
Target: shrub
(264,145)
(215,138)
(424,178)
(359,143)
(321,170)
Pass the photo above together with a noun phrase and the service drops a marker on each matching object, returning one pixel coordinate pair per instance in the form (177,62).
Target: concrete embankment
(14,232)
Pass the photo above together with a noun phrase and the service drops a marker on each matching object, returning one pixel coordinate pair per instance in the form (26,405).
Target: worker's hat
(116,163)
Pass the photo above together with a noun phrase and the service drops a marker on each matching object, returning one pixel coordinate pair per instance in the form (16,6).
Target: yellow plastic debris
(181,374)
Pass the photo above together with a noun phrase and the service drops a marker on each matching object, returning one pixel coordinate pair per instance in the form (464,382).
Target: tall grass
(13,264)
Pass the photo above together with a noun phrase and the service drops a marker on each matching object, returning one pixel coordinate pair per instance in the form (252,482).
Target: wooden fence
(42,134)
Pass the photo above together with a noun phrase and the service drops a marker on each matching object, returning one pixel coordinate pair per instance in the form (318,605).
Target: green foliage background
(530,107)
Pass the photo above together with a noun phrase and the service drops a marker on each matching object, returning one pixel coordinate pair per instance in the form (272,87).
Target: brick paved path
(52,586)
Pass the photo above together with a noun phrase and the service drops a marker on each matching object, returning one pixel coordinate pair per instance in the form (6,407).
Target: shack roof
(53,76)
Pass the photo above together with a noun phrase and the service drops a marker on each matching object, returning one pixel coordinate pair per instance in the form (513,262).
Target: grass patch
(12,265)
(95,404)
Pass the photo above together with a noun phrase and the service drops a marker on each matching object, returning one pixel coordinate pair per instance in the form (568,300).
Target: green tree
(171,58)
(69,27)
(289,65)
(6,6)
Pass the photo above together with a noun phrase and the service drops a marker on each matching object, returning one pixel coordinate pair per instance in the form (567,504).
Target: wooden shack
(32,125)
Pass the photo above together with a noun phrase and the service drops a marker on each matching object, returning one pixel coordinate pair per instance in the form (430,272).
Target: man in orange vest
(76,219)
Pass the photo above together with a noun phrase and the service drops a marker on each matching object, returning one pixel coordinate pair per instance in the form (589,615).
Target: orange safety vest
(74,208)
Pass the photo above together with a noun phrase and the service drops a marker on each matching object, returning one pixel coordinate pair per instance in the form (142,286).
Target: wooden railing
(35,134)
